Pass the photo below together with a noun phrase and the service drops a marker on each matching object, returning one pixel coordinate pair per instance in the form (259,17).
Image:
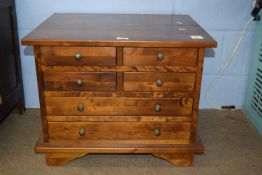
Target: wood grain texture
(119,56)
(171,56)
(40,81)
(120,81)
(79,81)
(126,118)
(119,74)
(140,81)
(138,95)
(103,29)
(89,56)
(111,131)
(177,159)
(55,159)
(185,69)
(117,106)
(117,146)
(201,55)
(119,94)
(140,142)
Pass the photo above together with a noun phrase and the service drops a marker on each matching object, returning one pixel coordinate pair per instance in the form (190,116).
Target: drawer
(78,56)
(117,106)
(118,131)
(137,81)
(79,81)
(160,56)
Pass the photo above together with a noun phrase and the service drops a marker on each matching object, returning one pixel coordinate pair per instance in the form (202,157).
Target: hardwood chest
(115,83)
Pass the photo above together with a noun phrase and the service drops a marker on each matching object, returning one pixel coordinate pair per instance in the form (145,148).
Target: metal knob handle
(160,56)
(157,132)
(79,82)
(158,108)
(78,56)
(159,83)
(80,107)
(82,132)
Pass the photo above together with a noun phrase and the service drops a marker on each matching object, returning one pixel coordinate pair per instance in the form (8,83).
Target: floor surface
(233,147)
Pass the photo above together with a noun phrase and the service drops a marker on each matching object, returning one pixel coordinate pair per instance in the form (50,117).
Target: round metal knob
(79,82)
(80,107)
(160,56)
(78,56)
(158,108)
(159,83)
(157,132)
(82,132)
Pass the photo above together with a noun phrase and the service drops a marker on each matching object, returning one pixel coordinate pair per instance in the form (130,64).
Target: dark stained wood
(117,146)
(11,85)
(111,131)
(119,56)
(66,81)
(135,142)
(54,159)
(177,159)
(119,81)
(40,80)
(117,106)
(201,55)
(90,56)
(120,94)
(119,74)
(119,118)
(188,69)
(172,56)
(140,82)
(103,29)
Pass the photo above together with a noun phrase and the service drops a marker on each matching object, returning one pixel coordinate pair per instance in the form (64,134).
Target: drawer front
(118,131)
(78,56)
(79,81)
(140,82)
(117,106)
(160,56)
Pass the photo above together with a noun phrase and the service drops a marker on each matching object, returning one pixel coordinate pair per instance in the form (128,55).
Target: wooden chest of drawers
(119,84)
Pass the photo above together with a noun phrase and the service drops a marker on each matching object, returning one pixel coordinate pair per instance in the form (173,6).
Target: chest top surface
(145,30)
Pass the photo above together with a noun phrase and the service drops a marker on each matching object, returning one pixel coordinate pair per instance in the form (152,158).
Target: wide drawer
(118,106)
(137,81)
(160,56)
(79,81)
(118,131)
(78,56)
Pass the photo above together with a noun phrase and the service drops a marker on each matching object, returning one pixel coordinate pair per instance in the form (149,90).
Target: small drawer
(140,82)
(78,56)
(160,56)
(118,131)
(106,106)
(79,81)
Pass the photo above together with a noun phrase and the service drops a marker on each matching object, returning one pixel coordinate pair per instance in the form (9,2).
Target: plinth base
(62,152)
